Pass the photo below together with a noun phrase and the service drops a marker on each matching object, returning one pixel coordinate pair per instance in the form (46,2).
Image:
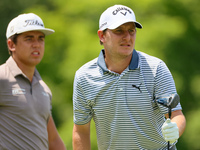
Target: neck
(118,65)
(28,70)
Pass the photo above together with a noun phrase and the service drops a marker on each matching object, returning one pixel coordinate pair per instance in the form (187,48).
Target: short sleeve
(82,111)
(164,85)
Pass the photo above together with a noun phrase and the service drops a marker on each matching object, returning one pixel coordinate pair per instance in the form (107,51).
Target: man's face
(29,49)
(120,42)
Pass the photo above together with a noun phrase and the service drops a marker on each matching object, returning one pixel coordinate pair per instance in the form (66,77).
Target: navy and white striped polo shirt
(122,105)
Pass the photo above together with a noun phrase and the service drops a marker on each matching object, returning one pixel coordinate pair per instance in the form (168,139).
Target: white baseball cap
(26,22)
(115,16)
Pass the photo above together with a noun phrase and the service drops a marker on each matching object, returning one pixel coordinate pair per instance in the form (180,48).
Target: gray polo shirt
(123,105)
(24,109)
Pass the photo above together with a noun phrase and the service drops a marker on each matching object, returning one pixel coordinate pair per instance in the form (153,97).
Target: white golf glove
(170,131)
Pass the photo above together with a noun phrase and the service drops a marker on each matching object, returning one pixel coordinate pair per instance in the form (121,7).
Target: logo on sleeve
(45,94)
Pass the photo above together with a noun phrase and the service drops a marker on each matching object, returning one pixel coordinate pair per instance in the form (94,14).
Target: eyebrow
(31,36)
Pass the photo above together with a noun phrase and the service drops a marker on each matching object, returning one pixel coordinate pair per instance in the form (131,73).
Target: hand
(170,131)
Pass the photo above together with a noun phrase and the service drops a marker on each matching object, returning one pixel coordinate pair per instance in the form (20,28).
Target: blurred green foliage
(171,31)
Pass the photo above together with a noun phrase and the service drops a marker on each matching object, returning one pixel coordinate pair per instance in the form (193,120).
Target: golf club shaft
(168,146)
(169,113)
(169,101)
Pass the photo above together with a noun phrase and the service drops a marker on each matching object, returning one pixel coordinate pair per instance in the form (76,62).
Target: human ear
(11,45)
(101,35)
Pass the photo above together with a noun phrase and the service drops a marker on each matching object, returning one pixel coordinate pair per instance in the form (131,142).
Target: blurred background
(171,32)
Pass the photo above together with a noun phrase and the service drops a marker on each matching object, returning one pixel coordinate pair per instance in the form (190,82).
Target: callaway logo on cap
(26,22)
(115,16)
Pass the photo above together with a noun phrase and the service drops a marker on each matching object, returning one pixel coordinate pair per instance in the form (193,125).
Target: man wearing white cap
(118,90)
(25,100)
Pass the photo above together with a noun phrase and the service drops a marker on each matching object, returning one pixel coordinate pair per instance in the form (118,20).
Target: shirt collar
(13,67)
(133,64)
(15,70)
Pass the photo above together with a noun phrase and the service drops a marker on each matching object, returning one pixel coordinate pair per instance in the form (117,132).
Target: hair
(104,31)
(13,38)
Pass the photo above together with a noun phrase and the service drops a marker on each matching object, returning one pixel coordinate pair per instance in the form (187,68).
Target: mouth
(125,45)
(35,53)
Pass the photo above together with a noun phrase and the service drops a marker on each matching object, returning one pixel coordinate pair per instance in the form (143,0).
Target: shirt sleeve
(82,111)
(164,85)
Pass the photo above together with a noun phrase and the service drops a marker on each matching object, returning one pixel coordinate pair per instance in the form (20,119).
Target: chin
(35,62)
(127,51)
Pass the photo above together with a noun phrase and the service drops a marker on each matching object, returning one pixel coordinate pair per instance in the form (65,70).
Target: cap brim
(138,25)
(119,23)
(46,31)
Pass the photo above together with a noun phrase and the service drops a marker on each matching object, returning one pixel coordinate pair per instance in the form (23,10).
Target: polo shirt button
(120,89)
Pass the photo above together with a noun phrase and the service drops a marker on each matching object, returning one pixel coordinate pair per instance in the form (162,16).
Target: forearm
(57,144)
(181,122)
(179,118)
(81,140)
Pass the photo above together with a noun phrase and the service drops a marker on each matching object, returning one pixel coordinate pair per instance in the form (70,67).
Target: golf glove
(170,131)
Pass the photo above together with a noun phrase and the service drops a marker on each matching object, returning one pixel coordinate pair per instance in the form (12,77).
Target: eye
(118,31)
(41,39)
(132,31)
(28,39)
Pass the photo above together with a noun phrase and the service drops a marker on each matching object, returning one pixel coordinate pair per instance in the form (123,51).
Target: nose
(36,43)
(127,35)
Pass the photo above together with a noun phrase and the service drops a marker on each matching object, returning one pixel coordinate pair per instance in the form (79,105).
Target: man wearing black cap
(118,90)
